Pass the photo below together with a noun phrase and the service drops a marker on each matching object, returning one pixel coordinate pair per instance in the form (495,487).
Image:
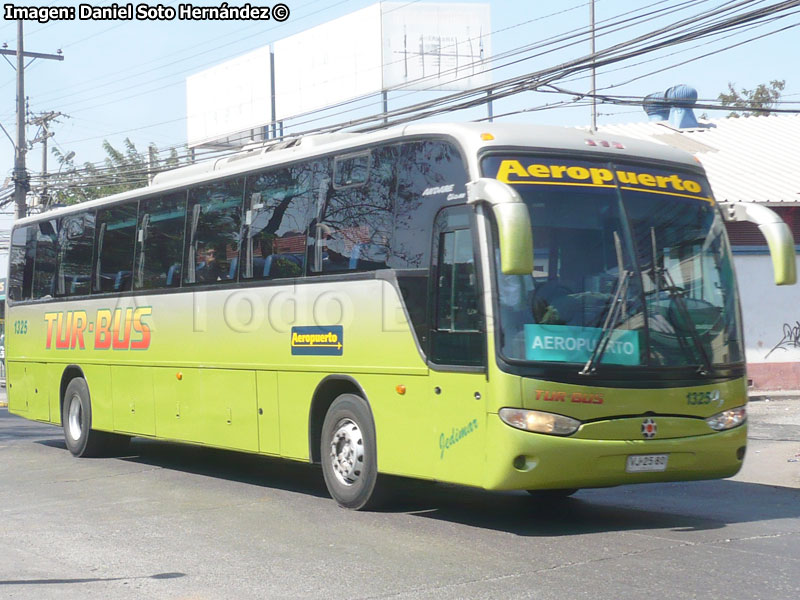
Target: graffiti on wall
(790,339)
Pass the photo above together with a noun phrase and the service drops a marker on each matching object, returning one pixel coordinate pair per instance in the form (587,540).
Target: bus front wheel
(349,457)
(76,417)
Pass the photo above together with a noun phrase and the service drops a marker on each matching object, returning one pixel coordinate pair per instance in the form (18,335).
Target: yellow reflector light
(487,137)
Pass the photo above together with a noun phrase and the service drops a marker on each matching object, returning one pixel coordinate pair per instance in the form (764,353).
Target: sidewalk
(760,395)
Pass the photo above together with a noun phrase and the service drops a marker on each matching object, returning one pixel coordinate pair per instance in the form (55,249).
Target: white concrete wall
(771,313)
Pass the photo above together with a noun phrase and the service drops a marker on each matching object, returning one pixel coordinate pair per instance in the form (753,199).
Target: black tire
(76,418)
(552,495)
(348,452)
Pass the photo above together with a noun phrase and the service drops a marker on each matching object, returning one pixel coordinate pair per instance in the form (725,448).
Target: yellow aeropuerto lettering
(578,173)
(557,171)
(510,167)
(647,179)
(677,183)
(662,181)
(692,186)
(539,170)
(601,176)
(628,177)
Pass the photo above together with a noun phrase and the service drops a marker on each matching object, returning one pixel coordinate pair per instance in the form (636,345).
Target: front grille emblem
(649,429)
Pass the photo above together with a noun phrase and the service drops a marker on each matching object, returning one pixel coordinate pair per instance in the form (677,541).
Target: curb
(767,395)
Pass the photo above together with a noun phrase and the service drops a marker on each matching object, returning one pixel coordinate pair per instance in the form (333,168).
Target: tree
(762,97)
(122,170)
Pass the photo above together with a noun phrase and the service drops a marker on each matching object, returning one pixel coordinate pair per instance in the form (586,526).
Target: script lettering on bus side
(118,329)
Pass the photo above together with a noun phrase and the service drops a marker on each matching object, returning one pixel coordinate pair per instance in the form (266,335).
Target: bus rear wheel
(349,457)
(76,417)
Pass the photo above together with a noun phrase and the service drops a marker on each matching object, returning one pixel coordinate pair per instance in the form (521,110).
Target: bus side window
(457,336)
(75,254)
(213,226)
(279,204)
(358,217)
(159,241)
(44,265)
(20,258)
(116,240)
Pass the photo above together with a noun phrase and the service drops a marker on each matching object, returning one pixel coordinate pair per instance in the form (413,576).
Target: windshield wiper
(619,307)
(677,293)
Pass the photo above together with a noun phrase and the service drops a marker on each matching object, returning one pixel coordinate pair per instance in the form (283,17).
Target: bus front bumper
(521,460)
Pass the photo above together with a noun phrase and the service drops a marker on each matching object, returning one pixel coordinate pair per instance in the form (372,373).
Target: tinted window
(20,261)
(116,240)
(429,175)
(213,226)
(385,219)
(159,244)
(75,248)
(279,205)
(44,266)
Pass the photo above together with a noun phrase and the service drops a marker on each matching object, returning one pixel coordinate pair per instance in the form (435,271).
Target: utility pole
(594,81)
(20,174)
(42,121)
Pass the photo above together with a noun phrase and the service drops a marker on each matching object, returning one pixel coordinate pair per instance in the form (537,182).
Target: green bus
(509,307)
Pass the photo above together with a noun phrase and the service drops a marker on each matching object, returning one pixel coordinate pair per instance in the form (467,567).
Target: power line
(536,80)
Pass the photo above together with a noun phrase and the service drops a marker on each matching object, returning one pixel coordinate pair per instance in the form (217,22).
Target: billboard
(327,64)
(444,46)
(229,98)
(385,46)
(389,45)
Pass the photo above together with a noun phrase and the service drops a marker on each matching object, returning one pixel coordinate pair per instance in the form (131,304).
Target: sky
(127,78)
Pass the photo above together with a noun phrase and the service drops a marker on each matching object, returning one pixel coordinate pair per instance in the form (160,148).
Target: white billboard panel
(230,98)
(327,64)
(435,46)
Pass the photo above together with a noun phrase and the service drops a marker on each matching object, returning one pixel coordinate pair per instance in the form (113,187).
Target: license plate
(641,463)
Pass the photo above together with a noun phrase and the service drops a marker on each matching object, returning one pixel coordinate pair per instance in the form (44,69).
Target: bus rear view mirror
(775,231)
(513,223)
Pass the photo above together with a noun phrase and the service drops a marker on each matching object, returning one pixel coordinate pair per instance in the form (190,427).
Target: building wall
(771,317)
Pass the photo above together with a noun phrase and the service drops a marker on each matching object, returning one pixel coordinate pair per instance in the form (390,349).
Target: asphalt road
(170,521)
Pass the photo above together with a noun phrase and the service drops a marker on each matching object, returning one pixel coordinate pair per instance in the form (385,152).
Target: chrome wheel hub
(347,452)
(74,420)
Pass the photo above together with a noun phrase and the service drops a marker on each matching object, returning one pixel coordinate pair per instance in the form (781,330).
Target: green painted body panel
(27,390)
(269,433)
(133,405)
(218,370)
(98,378)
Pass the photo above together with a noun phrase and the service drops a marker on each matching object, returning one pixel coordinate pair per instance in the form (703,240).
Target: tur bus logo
(118,329)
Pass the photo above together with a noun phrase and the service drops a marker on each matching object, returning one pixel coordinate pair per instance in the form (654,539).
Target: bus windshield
(631,267)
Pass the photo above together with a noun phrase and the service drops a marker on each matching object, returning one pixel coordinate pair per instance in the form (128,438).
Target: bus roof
(469,136)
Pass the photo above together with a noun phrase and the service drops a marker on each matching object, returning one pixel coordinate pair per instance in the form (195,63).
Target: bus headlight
(727,419)
(539,422)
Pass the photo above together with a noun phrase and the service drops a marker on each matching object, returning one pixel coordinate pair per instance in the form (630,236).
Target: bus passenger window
(75,248)
(159,241)
(212,232)
(358,216)
(116,239)
(278,208)
(20,259)
(44,266)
